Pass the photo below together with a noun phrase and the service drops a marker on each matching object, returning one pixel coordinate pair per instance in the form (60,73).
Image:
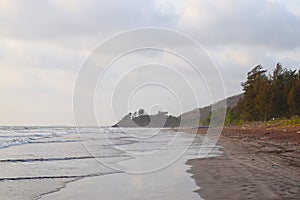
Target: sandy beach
(249,162)
(257,163)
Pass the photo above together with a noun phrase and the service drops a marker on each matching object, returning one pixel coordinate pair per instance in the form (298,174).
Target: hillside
(192,117)
(161,119)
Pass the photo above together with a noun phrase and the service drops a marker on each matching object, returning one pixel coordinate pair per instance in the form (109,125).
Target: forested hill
(162,119)
(200,115)
(142,119)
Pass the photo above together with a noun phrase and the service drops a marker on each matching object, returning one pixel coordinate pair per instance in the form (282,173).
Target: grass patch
(294,121)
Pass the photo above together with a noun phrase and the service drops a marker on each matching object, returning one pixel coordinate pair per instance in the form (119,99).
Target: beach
(257,163)
(248,162)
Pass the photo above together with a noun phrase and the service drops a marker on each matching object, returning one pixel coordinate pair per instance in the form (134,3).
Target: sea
(98,163)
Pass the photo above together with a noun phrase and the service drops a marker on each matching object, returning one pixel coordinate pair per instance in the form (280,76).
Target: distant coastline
(142,119)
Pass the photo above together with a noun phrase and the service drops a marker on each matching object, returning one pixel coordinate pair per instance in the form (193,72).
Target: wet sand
(160,174)
(253,166)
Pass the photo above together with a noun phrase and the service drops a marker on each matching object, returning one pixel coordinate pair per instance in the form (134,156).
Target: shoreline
(171,182)
(257,163)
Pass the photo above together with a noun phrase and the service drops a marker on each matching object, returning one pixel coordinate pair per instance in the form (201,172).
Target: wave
(22,141)
(58,159)
(12,136)
(56,177)
(13,142)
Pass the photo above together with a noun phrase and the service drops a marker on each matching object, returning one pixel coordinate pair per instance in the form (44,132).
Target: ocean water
(97,163)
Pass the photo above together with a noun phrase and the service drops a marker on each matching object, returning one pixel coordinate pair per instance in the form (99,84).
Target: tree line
(268,96)
(141,119)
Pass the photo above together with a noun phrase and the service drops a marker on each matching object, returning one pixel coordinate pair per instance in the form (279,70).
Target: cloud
(256,22)
(35,19)
(35,96)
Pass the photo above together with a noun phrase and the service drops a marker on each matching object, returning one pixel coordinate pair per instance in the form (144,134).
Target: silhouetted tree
(141,112)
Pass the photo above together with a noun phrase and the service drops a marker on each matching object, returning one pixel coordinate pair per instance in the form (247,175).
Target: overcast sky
(44,43)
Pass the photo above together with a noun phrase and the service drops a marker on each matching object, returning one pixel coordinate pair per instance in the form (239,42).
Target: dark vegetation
(142,119)
(267,96)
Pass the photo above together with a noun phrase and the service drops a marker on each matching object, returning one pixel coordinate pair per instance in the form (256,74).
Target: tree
(283,81)
(134,114)
(294,97)
(265,97)
(254,99)
(141,112)
(262,99)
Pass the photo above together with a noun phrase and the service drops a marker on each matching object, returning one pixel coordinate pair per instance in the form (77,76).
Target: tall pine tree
(294,97)
(252,88)
(278,104)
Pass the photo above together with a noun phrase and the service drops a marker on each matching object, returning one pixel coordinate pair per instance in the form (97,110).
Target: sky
(45,44)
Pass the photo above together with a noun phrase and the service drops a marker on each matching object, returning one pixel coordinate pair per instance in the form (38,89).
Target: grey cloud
(255,22)
(50,19)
